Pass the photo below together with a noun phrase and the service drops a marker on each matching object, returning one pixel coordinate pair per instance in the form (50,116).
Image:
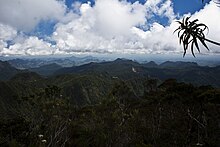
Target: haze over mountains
(27,63)
(87,80)
(189,72)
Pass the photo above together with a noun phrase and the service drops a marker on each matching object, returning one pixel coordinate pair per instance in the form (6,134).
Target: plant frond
(189,32)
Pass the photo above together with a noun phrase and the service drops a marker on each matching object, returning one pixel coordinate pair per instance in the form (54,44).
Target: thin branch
(195,119)
(211,41)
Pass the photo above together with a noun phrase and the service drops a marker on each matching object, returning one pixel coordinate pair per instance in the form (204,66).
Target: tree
(189,32)
(47,114)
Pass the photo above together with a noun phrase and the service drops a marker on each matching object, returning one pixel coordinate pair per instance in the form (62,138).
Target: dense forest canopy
(93,106)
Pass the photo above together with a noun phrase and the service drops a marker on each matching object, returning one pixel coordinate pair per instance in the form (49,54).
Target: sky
(71,27)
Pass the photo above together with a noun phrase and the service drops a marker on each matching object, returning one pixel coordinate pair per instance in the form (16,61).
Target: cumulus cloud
(160,39)
(26,14)
(7,33)
(29,46)
(210,16)
(110,26)
(116,18)
(161,8)
(23,45)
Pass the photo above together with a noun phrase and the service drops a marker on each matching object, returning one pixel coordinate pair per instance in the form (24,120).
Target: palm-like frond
(217,2)
(190,33)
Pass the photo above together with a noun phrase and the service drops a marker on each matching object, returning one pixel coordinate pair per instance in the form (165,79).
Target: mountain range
(88,83)
(27,63)
(106,97)
(189,72)
(7,71)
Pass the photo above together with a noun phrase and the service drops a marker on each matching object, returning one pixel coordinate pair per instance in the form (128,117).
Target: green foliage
(167,114)
(46,113)
(165,121)
(190,32)
(47,69)
(7,71)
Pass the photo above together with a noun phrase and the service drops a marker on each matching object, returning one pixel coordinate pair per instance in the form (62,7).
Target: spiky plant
(189,32)
(215,1)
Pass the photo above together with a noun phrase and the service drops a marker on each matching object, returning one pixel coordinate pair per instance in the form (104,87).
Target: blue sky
(181,7)
(185,6)
(47,27)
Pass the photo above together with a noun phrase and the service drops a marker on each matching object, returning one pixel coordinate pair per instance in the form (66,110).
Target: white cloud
(161,8)
(23,45)
(26,14)
(116,18)
(210,16)
(166,10)
(159,39)
(29,46)
(6,33)
(111,26)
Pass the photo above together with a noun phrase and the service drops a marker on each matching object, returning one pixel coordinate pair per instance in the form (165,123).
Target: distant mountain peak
(122,59)
(150,64)
(47,69)
(178,64)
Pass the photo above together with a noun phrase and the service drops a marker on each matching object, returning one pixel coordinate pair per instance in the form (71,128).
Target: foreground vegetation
(167,114)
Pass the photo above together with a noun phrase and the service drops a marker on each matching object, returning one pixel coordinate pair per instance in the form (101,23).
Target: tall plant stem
(216,43)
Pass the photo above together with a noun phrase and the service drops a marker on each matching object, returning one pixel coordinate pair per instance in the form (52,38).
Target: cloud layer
(26,14)
(110,26)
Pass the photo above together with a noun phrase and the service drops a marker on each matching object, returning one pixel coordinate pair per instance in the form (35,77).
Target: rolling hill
(188,72)
(7,71)
(47,69)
